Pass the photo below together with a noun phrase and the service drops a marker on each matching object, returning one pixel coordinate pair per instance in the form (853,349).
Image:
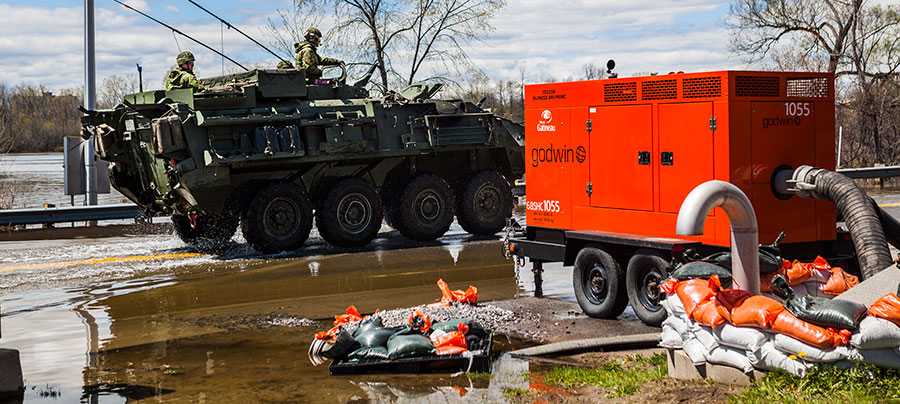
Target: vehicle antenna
(228,24)
(182,34)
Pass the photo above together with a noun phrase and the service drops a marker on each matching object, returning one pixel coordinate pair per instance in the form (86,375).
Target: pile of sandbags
(793,329)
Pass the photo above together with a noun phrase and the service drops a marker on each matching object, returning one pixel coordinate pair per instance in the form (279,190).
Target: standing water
(38,179)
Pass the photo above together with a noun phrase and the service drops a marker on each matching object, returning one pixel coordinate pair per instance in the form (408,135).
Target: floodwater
(38,180)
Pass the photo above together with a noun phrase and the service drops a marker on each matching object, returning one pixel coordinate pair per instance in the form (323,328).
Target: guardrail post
(879,182)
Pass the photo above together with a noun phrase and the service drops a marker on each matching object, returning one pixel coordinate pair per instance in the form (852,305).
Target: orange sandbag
(821,264)
(707,313)
(453,338)
(349,316)
(797,273)
(420,321)
(450,350)
(744,309)
(469,296)
(825,338)
(887,307)
(839,282)
(765,281)
(668,287)
(692,292)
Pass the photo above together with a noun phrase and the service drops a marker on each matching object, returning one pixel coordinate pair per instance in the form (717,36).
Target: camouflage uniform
(307,58)
(180,76)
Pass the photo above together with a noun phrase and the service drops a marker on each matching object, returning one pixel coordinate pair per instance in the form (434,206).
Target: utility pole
(90,98)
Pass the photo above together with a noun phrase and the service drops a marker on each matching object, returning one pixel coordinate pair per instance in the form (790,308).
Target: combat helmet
(312,32)
(184,57)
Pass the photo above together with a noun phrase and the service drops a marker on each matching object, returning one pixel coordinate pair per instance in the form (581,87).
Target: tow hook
(193,216)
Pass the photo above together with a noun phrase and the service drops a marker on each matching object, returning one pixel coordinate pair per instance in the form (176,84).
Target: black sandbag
(376,336)
(344,343)
(703,270)
(453,325)
(408,346)
(369,352)
(768,261)
(819,311)
(368,323)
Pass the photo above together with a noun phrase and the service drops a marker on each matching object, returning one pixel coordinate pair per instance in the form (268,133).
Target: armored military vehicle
(266,150)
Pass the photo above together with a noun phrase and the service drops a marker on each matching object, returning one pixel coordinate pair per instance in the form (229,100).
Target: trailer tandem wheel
(599,283)
(645,272)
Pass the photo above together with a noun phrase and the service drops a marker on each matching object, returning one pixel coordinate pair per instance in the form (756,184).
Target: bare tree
(114,88)
(287,29)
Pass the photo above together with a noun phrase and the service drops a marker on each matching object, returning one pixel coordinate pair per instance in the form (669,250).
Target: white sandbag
(767,357)
(876,333)
(883,358)
(674,306)
(704,334)
(746,338)
(736,358)
(810,353)
(818,290)
(694,350)
(679,325)
(670,338)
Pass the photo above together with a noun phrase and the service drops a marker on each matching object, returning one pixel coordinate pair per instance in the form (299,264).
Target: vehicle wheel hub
(596,283)
(354,213)
(281,217)
(429,206)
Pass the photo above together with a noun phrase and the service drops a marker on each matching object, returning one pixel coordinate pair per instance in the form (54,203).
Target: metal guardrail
(871,172)
(12,217)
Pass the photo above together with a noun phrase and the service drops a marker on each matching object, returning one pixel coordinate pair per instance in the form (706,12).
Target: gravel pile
(490,317)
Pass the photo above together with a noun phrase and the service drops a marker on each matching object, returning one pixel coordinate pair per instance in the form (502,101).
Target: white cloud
(172,8)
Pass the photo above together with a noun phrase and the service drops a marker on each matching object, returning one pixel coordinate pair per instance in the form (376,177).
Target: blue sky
(41,42)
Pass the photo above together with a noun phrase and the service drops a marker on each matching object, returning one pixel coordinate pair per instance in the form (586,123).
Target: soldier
(308,59)
(182,75)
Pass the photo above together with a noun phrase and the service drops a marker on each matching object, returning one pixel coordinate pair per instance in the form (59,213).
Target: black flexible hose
(861,218)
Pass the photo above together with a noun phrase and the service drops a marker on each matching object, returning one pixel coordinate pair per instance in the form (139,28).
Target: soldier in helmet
(182,75)
(308,59)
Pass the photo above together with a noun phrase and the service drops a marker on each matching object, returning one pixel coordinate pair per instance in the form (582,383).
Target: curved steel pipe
(744,230)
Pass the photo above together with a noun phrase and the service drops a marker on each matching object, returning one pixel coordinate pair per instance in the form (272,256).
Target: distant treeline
(34,120)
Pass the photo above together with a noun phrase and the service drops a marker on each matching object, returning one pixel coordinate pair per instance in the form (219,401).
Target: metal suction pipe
(744,231)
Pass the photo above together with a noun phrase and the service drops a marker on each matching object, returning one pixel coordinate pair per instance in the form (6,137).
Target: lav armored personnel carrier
(268,151)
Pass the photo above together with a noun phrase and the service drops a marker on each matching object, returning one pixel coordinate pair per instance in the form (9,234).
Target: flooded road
(146,318)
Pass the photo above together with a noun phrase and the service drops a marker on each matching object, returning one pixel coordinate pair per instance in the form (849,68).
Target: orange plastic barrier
(839,282)
(825,338)
(887,307)
(469,296)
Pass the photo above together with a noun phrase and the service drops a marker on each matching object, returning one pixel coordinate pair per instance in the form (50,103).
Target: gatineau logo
(544,124)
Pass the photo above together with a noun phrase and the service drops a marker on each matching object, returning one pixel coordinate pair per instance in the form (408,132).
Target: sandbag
(678,324)
(746,338)
(409,345)
(819,311)
(369,352)
(708,313)
(343,344)
(368,323)
(376,336)
(702,270)
(453,325)
(810,353)
(705,336)
(695,350)
(728,356)
(788,324)
(692,292)
(839,282)
(876,333)
(887,307)
(768,261)
(767,357)
(673,306)
(744,309)
(669,338)
(883,358)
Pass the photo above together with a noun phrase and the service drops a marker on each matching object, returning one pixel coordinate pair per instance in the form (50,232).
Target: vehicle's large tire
(426,208)
(599,283)
(646,271)
(485,203)
(350,214)
(210,230)
(278,218)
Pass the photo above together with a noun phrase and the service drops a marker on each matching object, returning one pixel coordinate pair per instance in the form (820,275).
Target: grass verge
(622,377)
(863,384)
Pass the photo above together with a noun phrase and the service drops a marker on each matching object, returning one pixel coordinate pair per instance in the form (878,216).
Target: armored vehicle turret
(267,151)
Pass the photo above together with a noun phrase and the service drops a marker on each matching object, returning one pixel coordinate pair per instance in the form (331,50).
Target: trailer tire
(645,272)
(210,230)
(278,218)
(350,214)
(485,204)
(599,283)
(426,208)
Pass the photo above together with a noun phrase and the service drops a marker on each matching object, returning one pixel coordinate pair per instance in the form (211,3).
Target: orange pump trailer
(612,160)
